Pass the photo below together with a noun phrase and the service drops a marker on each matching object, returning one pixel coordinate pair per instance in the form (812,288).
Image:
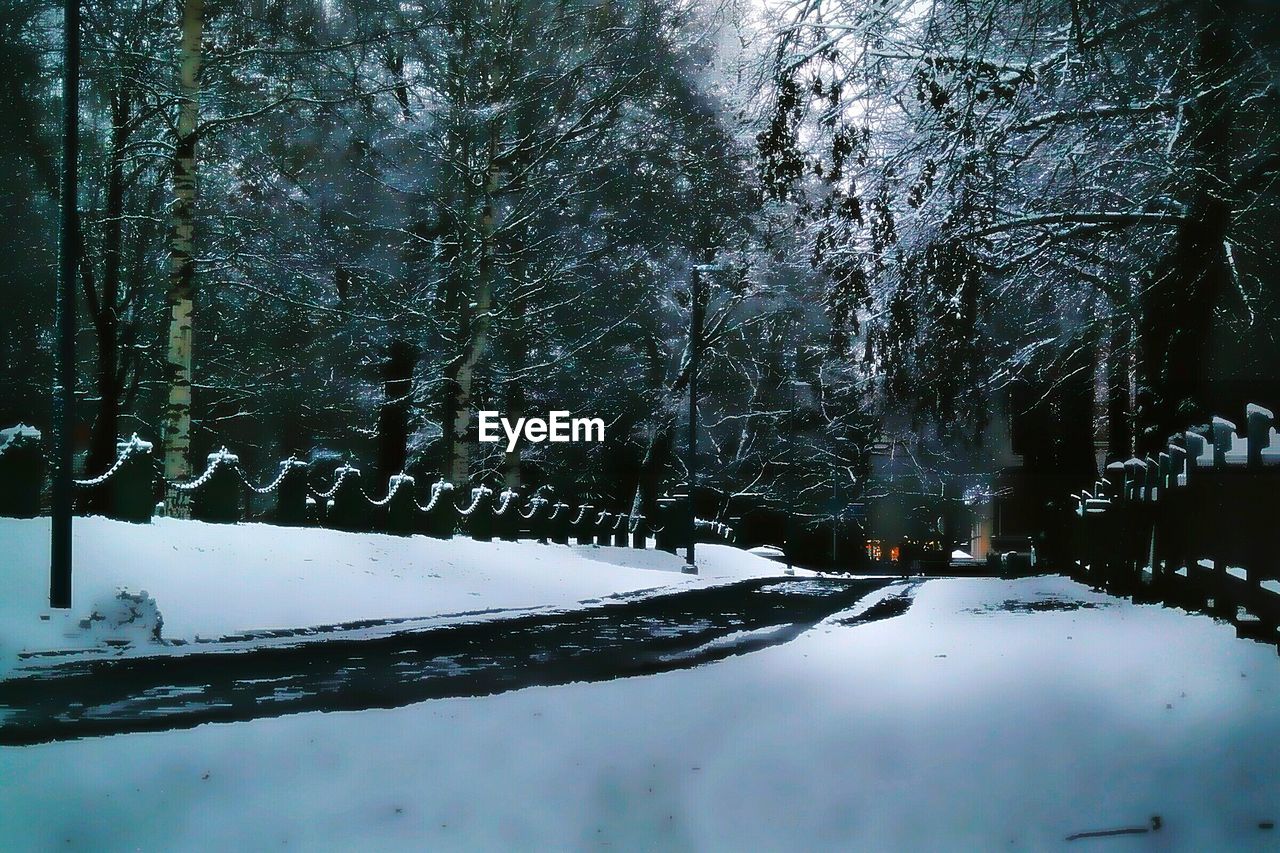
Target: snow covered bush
(125,618)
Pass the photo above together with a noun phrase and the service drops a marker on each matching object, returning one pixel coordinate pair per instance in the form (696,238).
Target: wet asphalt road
(656,633)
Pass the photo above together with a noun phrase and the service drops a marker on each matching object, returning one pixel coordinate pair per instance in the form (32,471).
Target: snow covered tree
(985,183)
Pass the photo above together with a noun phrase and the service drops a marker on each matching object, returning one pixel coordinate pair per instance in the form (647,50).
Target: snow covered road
(1009,714)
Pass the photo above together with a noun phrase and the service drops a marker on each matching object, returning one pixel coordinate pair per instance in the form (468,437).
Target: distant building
(926,500)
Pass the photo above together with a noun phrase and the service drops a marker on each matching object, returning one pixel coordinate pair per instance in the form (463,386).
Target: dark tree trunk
(1119,397)
(400,86)
(1072,400)
(106,427)
(393,417)
(661,435)
(1177,311)
(514,405)
(1053,432)
(657,453)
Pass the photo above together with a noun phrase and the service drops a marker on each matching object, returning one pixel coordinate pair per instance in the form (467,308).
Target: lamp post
(65,376)
(835,519)
(695,345)
(791,447)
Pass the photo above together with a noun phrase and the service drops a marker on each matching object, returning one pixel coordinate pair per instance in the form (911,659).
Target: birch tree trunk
(476,337)
(181,295)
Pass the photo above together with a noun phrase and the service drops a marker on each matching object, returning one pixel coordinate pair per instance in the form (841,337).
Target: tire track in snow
(653,634)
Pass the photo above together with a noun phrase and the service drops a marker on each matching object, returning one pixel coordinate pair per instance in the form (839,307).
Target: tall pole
(695,347)
(835,517)
(791,452)
(65,376)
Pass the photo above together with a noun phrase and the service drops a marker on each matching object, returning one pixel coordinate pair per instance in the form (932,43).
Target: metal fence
(1197,527)
(225,493)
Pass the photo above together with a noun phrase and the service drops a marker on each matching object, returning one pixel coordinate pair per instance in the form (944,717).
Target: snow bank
(213,580)
(992,715)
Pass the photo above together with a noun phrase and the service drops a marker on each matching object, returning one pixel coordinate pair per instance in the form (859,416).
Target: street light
(65,376)
(695,347)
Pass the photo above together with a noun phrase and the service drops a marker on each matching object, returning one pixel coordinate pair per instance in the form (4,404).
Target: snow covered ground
(993,714)
(211,580)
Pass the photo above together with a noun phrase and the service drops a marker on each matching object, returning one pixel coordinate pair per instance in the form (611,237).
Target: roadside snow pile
(991,715)
(125,618)
(117,618)
(215,580)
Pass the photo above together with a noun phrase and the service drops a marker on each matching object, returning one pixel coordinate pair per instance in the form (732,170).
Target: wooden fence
(1197,527)
(224,493)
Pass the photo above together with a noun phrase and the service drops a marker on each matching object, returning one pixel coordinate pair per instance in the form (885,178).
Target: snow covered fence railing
(225,493)
(1196,525)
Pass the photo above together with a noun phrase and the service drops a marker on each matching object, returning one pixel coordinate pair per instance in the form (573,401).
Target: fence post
(1179,514)
(1166,470)
(1151,507)
(1223,434)
(21,471)
(560,523)
(535,523)
(291,493)
(668,531)
(1097,522)
(1181,461)
(604,528)
(441,512)
(639,532)
(1259,422)
(1076,541)
(1108,524)
(583,532)
(131,489)
(507,515)
(1198,532)
(215,497)
(1258,537)
(348,508)
(1195,445)
(401,509)
(478,518)
(1131,540)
